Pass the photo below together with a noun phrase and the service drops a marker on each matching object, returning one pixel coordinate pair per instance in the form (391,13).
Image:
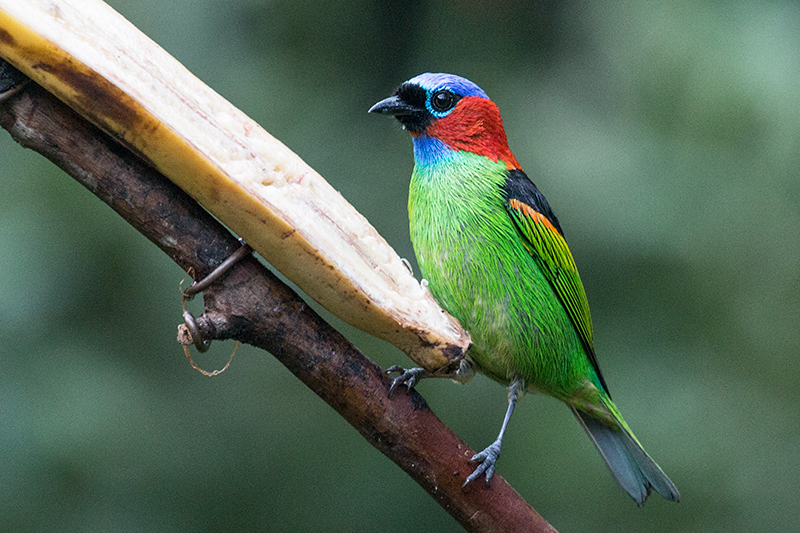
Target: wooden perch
(158,131)
(103,67)
(250,304)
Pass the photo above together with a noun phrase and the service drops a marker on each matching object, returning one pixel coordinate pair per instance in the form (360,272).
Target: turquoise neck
(429,151)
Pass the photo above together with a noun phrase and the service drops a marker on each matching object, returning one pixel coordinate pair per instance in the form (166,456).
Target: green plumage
(510,279)
(494,256)
(479,269)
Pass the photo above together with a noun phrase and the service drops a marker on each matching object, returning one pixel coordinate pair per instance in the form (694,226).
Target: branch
(250,304)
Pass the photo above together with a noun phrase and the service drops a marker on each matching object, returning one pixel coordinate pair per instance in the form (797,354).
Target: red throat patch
(475,125)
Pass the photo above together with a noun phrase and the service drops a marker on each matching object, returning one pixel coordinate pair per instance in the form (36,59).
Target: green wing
(547,246)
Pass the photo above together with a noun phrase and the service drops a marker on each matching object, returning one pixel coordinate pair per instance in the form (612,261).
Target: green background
(666,137)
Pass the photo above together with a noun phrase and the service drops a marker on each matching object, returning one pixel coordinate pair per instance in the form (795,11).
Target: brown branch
(252,305)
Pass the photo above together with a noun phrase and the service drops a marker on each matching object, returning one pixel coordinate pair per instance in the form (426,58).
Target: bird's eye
(443,100)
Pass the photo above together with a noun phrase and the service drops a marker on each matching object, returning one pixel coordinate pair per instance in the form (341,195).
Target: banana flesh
(103,67)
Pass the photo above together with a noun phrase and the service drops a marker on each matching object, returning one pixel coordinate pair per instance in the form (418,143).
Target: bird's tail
(633,469)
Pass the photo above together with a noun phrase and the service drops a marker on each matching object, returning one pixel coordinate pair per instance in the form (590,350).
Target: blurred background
(665,134)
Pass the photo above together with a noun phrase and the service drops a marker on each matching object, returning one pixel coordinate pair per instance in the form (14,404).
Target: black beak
(393,106)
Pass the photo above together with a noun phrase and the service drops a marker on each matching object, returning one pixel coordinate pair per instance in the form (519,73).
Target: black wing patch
(520,187)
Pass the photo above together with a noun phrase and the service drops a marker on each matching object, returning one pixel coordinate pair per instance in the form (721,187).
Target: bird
(493,254)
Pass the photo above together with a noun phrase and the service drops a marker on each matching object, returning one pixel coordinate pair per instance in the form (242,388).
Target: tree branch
(250,304)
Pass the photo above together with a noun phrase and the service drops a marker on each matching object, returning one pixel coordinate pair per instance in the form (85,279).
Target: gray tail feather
(629,463)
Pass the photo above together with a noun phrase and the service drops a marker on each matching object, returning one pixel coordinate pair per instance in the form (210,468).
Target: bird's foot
(408,377)
(488,459)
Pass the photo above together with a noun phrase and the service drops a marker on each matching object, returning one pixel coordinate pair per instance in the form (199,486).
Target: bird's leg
(488,457)
(411,376)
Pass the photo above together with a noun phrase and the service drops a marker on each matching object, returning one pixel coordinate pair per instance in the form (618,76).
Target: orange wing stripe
(528,211)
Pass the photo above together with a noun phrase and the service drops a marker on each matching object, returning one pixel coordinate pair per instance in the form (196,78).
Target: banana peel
(102,66)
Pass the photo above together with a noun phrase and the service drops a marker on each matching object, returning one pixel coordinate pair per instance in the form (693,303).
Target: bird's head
(449,111)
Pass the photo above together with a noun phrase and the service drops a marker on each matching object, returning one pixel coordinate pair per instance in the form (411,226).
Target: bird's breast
(479,270)
(466,245)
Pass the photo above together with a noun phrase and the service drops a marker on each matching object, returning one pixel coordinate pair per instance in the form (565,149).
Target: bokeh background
(666,136)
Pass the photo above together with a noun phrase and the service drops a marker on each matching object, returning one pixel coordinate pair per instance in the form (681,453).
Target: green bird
(494,256)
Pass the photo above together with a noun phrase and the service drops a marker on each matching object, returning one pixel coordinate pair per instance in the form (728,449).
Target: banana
(98,63)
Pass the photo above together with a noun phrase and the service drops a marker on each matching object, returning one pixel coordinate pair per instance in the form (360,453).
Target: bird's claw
(408,377)
(488,460)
